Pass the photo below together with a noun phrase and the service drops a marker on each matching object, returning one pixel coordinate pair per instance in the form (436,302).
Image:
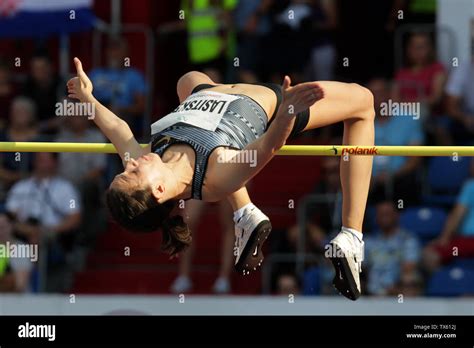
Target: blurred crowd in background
(420,218)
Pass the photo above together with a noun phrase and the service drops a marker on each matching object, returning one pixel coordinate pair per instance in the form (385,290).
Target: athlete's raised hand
(79,87)
(300,97)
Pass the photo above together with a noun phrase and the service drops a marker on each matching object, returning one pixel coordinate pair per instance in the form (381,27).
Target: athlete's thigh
(341,101)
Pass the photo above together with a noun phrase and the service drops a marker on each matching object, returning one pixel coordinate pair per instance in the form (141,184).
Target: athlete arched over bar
(196,153)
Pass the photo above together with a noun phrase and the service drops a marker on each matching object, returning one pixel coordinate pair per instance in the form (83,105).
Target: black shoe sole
(249,261)
(346,286)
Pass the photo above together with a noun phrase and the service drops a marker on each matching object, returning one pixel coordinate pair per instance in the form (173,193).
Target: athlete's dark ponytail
(176,235)
(140,212)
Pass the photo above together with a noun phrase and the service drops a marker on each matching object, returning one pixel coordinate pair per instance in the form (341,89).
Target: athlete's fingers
(317,93)
(78,65)
(305,99)
(286,82)
(80,71)
(304,94)
(311,100)
(71,82)
(300,95)
(305,86)
(310,83)
(302,98)
(305,104)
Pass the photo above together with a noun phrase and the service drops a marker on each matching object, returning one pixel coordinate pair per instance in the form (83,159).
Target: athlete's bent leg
(252,228)
(353,105)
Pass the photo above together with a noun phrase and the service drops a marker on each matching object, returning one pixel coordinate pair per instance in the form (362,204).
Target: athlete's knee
(365,102)
(188,81)
(185,80)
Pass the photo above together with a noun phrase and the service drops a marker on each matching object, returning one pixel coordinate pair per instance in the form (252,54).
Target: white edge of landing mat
(227,305)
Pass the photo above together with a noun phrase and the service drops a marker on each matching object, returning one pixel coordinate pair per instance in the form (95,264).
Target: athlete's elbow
(119,125)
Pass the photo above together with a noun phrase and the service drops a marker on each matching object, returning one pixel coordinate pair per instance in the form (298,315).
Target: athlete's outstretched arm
(113,127)
(295,100)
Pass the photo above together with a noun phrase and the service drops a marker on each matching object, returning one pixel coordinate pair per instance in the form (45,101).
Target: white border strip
(228,305)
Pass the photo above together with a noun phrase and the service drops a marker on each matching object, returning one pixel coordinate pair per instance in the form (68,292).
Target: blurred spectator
(287,284)
(410,285)
(208,24)
(460,103)
(423,78)
(394,174)
(286,242)
(193,212)
(391,254)
(79,168)
(457,237)
(85,171)
(252,23)
(22,126)
(15,272)
(44,203)
(45,88)
(119,86)
(47,211)
(321,28)
(7,93)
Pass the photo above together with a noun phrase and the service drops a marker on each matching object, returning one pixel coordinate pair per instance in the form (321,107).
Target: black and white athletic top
(207,120)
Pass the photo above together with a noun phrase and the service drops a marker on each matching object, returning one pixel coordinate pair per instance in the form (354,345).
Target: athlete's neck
(180,182)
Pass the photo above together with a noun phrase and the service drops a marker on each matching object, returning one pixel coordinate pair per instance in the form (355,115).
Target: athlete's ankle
(354,232)
(240,212)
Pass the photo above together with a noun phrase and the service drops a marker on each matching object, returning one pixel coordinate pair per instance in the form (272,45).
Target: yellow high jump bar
(287,150)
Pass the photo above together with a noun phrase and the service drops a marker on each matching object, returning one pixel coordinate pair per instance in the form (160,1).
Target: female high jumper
(202,149)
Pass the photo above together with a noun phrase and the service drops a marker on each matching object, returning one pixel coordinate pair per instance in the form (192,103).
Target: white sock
(240,212)
(355,233)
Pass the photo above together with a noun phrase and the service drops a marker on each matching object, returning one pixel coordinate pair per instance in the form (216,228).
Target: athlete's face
(141,173)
